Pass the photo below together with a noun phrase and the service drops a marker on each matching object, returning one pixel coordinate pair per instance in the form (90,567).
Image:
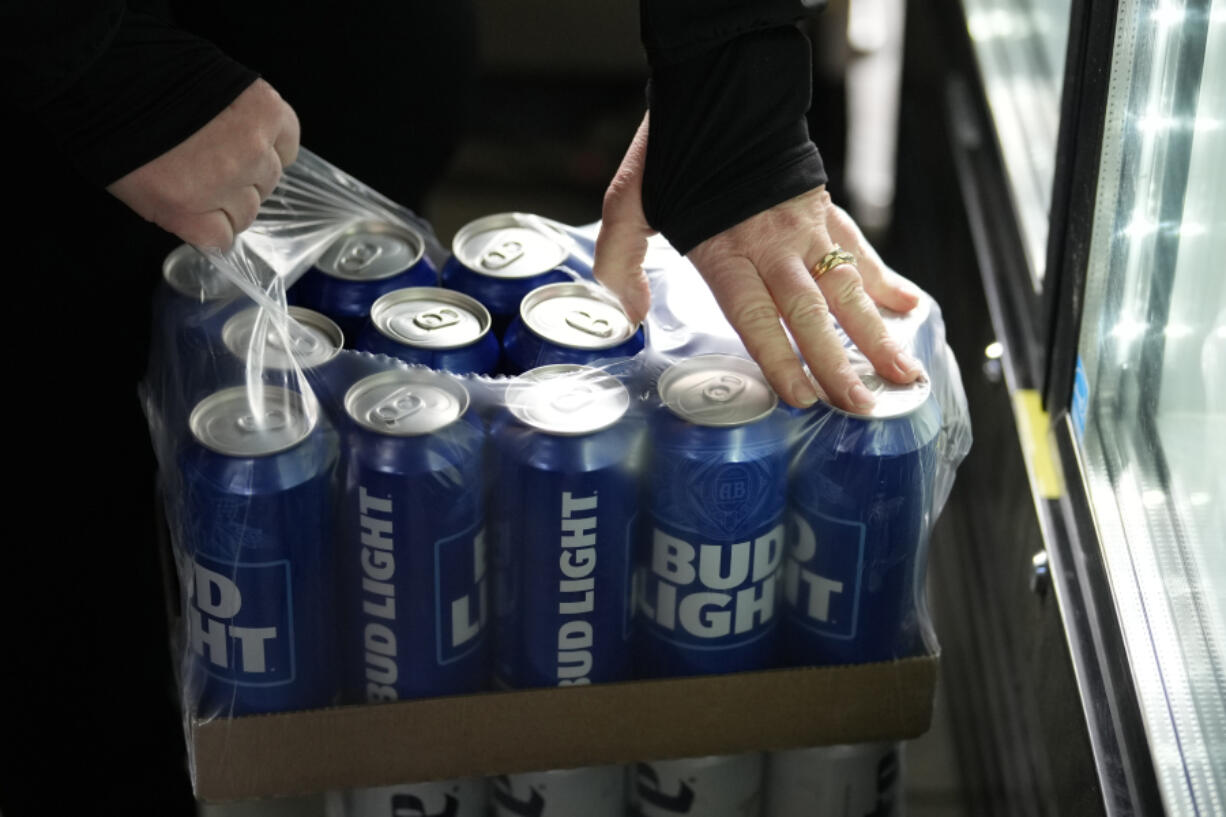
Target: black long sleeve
(113,87)
(730,85)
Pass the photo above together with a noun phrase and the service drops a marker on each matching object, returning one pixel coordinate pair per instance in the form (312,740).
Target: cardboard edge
(296,753)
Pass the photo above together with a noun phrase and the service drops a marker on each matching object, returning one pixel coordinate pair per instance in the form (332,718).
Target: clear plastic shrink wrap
(353,526)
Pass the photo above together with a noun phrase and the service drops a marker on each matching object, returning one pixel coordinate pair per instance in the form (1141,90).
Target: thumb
(621,245)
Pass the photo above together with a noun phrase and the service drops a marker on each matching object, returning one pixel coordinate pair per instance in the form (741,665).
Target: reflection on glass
(1020,47)
(1153,346)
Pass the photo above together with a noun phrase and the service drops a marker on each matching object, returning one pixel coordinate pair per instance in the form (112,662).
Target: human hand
(759,272)
(208,188)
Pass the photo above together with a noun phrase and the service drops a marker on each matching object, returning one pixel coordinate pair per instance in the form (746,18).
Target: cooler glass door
(1149,400)
(1020,47)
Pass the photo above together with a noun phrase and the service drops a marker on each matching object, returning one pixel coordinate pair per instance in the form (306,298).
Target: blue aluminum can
(190,305)
(256,554)
(566,494)
(499,259)
(708,572)
(412,543)
(861,500)
(434,327)
(372,258)
(574,322)
(314,349)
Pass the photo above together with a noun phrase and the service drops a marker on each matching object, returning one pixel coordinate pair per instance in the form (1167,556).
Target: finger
(749,307)
(805,311)
(211,230)
(241,206)
(265,173)
(621,245)
(286,141)
(882,284)
(862,322)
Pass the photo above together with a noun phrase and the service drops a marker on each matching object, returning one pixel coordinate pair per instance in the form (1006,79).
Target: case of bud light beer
(397,470)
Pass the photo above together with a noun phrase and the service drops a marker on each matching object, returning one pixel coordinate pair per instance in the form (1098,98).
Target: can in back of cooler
(717,786)
(718,478)
(192,302)
(257,553)
(861,780)
(499,259)
(861,499)
(465,797)
(572,322)
(412,544)
(372,258)
(566,496)
(434,327)
(314,346)
(594,791)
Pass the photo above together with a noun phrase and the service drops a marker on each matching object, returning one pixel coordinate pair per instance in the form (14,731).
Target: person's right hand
(208,188)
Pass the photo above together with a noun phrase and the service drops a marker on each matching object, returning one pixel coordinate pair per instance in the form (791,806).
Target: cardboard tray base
(296,753)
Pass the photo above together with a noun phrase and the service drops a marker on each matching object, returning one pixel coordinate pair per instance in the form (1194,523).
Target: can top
(226,422)
(314,339)
(568,400)
(191,275)
(406,402)
(717,390)
(906,321)
(576,315)
(371,251)
(430,317)
(893,399)
(510,245)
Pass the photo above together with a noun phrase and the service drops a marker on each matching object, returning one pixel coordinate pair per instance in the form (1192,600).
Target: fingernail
(804,393)
(907,366)
(861,397)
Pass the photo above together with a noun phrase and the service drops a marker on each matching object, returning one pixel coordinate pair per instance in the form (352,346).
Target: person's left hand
(760,273)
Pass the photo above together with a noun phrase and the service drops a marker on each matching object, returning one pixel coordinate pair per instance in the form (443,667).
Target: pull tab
(358,254)
(723,388)
(574,399)
(436,319)
(503,255)
(397,405)
(274,420)
(302,343)
(584,322)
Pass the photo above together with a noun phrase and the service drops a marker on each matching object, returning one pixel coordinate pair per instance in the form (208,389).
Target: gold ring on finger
(832,259)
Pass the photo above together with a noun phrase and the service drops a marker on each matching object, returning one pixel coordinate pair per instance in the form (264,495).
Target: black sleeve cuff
(153,87)
(728,137)
(678,30)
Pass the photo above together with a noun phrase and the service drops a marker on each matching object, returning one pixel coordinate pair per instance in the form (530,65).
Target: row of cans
(863,780)
(603,537)
(510,276)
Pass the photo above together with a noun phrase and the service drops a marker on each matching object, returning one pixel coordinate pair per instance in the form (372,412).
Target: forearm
(728,95)
(111,87)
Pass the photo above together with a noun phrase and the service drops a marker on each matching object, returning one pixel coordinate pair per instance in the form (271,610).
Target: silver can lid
(228,423)
(567,400)
(576,315)
(893,399)
(371,251)
(430,317)
(905,324)
(314,339)
(717,390)
(406,402)
(510,245)
(191,275)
